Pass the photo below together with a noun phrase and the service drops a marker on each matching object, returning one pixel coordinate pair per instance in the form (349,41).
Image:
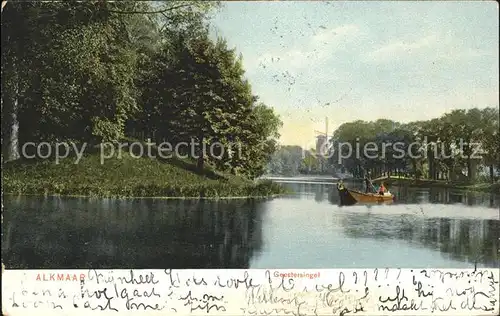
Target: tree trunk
(470,175)
(414,166)
(10,107)
(201,162)
(432,167)
(453,173)
(492,174)
(201,158)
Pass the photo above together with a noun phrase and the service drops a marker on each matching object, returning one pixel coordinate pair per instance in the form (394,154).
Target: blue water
(424,228)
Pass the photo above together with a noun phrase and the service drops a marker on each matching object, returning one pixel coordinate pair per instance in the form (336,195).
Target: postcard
(250,158)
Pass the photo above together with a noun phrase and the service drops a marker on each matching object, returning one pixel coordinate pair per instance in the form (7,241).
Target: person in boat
(382,189)
(340,185)
(369,188)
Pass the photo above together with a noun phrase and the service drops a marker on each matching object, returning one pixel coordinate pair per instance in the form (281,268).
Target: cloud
(400,48)
(431,46)
(326,36)
(453,54)
(319,48)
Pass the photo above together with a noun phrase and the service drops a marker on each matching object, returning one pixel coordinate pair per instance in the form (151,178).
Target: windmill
(322,146)
(322,138)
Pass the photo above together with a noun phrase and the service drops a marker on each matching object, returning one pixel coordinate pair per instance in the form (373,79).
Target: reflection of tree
(154,234)
(305,190)
(333,196)
(445,196)
(320,193)
(463,239)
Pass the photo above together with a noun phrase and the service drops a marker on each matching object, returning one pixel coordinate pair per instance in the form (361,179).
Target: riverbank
(301,179)
(129,177)
(426,183)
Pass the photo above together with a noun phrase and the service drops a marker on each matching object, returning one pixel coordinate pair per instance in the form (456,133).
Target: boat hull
(350,197)
(346,198)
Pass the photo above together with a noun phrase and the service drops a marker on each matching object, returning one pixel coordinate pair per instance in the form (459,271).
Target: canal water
(424,228)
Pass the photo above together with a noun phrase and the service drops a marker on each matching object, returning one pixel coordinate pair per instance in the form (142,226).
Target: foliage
(127,177)
(293,160)
(101,71)
(441,147)
(200,94)
(75,70)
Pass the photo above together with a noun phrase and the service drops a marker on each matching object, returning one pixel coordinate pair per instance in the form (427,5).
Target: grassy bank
(426,183)
(128,177)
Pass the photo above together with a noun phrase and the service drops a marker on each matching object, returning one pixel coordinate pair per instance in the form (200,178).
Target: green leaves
(81,68)
(93,72)
(455,135)
(202,94)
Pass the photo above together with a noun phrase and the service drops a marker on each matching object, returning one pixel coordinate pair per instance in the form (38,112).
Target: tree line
(441,148)
(435,149)
(289,160)
(102,71)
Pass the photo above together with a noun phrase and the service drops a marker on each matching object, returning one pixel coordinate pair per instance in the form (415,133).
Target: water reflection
(404,195)
(320,193)
(463,240)
(153,234)
(308,229)
(446,196)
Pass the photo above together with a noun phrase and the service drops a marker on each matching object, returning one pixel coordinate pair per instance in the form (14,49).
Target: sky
(357,60)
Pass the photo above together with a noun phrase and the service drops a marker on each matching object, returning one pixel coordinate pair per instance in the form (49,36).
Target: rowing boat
(350,197)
